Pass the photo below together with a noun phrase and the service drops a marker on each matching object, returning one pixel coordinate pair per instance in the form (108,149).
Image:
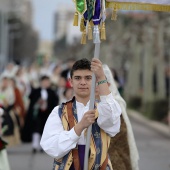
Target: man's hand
(86,121)
(88,118)
(96,67)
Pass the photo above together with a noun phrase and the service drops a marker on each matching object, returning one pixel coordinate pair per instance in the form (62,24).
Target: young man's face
(81,83)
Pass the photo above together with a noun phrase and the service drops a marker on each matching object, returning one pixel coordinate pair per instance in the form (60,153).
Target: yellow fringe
(99,26)
(91,23)
(82,26)
(83,38)
(138,6)
(75,21)
(103,31)
(114,13)
(90,33)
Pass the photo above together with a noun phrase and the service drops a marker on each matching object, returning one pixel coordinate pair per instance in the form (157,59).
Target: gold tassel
(103,31)
(82,26)
(90,34)
(83,38)
(114,14)
(75,21)
(91,23)
(99,28)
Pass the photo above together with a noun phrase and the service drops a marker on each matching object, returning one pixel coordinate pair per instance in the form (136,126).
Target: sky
(43,16)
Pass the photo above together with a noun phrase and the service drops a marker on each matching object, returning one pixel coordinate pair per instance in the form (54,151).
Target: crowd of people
(29,95)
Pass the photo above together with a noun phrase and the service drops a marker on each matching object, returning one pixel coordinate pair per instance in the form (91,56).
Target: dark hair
(82,64)
(44,77)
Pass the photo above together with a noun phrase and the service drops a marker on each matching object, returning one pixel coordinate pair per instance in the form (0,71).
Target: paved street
(154,151)
(153,146)
(21,158)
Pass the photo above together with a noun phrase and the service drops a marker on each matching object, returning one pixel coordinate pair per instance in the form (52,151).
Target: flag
(146,5)
(93,13)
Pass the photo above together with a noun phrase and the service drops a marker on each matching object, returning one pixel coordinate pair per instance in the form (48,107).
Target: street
(22,158)
(154,147)
(154,151)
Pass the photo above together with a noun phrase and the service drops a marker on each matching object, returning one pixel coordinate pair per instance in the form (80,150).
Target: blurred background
(37,39)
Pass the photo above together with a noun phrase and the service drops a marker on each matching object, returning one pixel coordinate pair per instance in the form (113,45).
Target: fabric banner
(149,5)
(90,9)
(81,6)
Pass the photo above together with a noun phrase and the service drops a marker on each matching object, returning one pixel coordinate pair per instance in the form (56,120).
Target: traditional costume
(60,141)
(123,150)
(42,101)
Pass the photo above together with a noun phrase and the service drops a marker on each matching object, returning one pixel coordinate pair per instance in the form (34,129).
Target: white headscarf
(134,156)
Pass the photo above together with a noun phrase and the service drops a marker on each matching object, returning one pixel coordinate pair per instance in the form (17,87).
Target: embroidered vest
(99,143)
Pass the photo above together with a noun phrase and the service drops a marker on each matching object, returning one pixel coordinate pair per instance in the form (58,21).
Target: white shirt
(57,142)
(44,94)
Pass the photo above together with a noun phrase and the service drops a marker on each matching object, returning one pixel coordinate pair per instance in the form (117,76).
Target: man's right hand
(86,121)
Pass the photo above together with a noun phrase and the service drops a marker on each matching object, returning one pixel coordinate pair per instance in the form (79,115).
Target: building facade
(10,11)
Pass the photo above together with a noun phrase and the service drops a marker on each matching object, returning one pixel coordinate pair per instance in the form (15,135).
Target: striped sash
(100,141)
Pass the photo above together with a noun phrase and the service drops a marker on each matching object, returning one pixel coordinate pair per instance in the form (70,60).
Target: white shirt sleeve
(55,141)
(109,115)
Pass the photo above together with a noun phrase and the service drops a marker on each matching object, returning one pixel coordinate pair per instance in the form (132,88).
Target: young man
(64,136)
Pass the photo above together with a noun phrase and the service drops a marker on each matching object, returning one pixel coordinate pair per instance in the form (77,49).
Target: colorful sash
(99,145)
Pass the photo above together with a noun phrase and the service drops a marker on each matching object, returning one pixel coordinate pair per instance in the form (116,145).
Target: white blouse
(57,142)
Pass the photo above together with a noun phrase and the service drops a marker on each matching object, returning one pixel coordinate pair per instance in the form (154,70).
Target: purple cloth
(96,17)
(81,150)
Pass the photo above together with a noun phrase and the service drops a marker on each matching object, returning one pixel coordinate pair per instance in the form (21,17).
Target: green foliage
(135,102)
(157,110)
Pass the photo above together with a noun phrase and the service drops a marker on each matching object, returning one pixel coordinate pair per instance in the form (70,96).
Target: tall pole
(92,95)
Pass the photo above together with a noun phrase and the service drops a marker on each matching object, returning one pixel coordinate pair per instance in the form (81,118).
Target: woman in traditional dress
(7,100)
(123,150)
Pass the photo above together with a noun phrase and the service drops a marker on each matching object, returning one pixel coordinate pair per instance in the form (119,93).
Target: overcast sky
(43,16)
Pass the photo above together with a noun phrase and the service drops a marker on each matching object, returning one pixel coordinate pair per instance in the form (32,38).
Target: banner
(148,5)
(81,6)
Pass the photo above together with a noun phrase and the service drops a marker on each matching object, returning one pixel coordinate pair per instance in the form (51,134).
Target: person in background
(7,100)
(33,76)
(118,81)
(64,79)
(61,88)
(123,150)
(4,163)
(66,72)
(64,135)
(68,94)
(18,104)
(42,101)
(55,76)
